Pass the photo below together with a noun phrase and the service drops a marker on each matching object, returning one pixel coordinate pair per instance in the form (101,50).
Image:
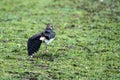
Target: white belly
(46,41)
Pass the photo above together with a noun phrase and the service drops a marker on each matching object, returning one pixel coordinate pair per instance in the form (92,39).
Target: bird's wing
(34,44)
(36,36)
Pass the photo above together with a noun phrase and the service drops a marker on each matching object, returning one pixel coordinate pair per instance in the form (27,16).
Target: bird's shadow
(49,56)
(45,56)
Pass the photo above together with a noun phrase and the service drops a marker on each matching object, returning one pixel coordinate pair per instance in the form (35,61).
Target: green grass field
(86,47)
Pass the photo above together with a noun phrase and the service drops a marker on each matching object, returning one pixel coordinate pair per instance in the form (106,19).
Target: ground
(86,47)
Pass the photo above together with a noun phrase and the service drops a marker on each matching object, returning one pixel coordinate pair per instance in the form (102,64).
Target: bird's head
(49,26)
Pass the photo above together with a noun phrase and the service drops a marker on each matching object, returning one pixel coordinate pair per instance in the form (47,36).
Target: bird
(35,41)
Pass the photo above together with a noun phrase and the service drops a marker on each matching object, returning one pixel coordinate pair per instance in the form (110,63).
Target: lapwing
(36,40)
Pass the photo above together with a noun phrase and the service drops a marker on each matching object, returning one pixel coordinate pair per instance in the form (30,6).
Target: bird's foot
(47,50)
(31,56)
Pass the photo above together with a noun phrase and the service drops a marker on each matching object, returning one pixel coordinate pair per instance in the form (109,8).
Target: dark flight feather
(34,42)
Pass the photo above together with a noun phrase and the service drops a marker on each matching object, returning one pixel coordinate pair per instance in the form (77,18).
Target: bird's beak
(42,38)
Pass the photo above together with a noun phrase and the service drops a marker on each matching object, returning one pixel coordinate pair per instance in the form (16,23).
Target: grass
(86,46)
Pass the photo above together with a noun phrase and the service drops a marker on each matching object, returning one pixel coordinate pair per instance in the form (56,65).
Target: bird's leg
(46,48)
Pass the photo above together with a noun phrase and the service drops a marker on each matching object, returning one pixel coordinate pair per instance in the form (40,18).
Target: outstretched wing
(34,44)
